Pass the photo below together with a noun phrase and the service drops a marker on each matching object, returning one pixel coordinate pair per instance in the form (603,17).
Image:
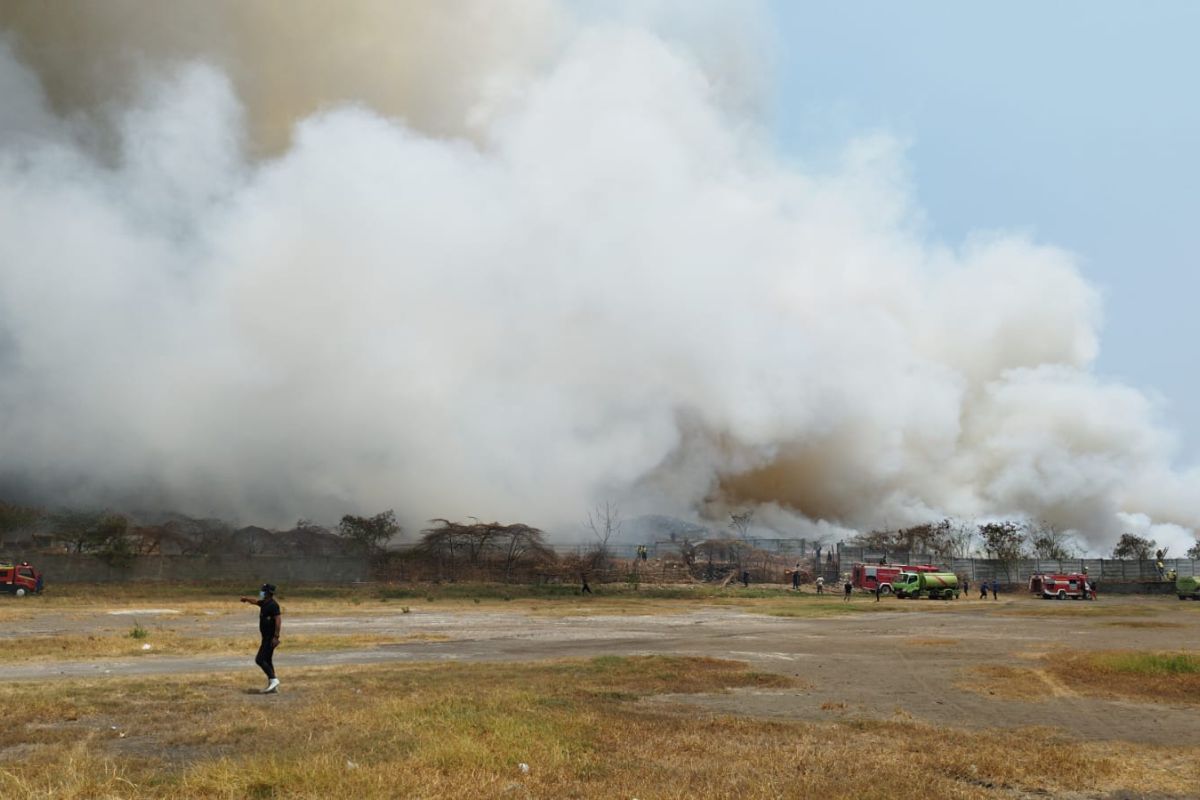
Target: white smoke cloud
(613,289)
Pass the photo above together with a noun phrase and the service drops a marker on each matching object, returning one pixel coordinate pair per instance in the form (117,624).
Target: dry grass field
(463,731)
(446,692)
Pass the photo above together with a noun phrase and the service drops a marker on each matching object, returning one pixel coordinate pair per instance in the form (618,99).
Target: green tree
(16,518)
(100,533)
(1002,540)
(373,533)
(1131,545)
(75,529)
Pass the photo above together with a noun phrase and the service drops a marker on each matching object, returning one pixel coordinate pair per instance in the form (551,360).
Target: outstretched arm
(252,600)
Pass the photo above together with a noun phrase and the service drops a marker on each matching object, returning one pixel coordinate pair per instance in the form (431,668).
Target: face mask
(262,595)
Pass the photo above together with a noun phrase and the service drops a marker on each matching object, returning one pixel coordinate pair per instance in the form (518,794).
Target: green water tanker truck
(1187,588)
(934,585)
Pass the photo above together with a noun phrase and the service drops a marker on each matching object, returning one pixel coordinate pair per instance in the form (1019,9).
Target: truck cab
(907,584)
(20,579)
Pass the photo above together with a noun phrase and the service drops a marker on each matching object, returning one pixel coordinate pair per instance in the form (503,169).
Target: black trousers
(265,651)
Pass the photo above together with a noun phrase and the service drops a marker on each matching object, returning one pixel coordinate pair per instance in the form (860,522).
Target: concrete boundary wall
(1107,573)
(252,570)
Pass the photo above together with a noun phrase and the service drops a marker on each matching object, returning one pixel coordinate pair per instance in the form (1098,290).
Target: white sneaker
(272,686)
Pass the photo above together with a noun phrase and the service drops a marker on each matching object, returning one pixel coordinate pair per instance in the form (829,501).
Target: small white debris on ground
(125,612)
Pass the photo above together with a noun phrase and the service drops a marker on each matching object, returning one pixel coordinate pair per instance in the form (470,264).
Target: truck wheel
(1183,597)
(1062,595)
(885,589)
(20,592)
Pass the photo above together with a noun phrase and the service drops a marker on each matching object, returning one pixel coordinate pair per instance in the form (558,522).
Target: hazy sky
(1076,121)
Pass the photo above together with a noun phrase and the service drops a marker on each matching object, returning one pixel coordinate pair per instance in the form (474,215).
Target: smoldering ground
(280,281)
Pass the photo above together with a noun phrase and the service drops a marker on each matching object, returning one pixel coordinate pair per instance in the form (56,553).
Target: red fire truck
(1060,586)
(867,576)
(20,579)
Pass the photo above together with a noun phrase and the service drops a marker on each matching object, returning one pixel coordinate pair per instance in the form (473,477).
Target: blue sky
(1076,121)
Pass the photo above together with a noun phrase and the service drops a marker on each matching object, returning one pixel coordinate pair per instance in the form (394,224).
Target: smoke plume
(508,260)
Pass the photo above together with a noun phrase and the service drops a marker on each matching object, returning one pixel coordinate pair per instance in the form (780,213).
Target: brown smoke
(439,66)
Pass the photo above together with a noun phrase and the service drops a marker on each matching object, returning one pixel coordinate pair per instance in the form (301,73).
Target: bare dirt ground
(924,660)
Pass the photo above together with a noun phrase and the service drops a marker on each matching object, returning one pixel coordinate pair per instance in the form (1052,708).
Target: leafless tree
(959,539)
(1045,540)
(522,544)
(604,521)
(741,523)
(483,545)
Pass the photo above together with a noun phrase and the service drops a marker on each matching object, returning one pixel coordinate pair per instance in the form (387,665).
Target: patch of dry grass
(462,730)
(13,609)
(1138,623)
(69,647)
(1007,683)
(1130,606)
(1156,677)
(931,641)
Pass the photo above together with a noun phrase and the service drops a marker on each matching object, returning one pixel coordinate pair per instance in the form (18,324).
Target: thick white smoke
(613,288)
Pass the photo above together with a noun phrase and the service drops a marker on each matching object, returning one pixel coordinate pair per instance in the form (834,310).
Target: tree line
(1005,540)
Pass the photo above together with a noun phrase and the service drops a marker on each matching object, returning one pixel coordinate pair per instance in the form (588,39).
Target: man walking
(270,623)
(995,588)
(796,577)
(983,590)
(847,588)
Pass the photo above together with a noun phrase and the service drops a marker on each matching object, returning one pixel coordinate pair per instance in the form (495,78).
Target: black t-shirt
(268,610)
